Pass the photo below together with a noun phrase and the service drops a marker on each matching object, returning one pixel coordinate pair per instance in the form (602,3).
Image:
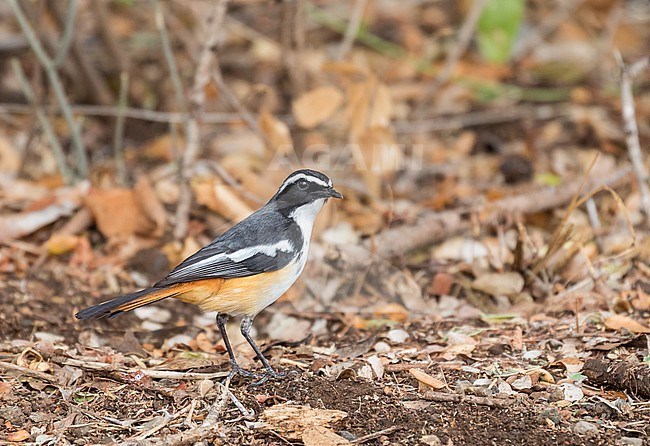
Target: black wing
(265,241)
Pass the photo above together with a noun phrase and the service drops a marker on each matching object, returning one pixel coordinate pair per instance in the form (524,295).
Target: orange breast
(239,296)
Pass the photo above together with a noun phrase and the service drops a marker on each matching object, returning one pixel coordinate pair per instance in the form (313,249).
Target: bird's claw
(272,374)
(237,370)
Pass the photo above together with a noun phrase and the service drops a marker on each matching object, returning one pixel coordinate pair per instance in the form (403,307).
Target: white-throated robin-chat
(247,268)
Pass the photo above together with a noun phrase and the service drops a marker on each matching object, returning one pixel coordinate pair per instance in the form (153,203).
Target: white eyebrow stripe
(269,250)
(303,176)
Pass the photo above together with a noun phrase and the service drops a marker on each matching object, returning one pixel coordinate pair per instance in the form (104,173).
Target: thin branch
(169,57)
(91,75)
(68,31)
(57,149)
(352,30)
(55,81)
(24,371)
(565,9)
(118,137)
(129,113)
(628,73)
(464,38)
(435,226)
(106,31)
(197,99)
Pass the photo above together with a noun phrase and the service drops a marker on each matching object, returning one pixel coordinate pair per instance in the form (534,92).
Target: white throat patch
(305,215)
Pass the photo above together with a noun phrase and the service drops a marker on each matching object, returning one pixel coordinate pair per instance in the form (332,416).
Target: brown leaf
(10,158)
(220,198)
(277,133)
(316,106)
(499,284)
(60,244)
(117,213)
(618,322)
(151,207)
(20,435)
(369,105)
(427,379)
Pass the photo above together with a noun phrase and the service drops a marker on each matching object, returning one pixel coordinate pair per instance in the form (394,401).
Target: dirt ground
(74,404)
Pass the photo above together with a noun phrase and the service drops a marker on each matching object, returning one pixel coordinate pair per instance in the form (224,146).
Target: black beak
(335,194)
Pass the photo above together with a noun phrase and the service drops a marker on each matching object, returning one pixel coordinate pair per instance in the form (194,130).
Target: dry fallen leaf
(292,420)
(316,106)
(117,213)
(20,435)
(61,243)
(618,322)
(499,284)
(427,379)
(369,105)
(220,198)
(151,207)
(277,133)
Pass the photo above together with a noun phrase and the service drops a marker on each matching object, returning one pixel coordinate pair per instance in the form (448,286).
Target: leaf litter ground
(500,382)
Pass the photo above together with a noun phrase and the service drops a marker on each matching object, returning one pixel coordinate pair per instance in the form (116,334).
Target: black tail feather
(110,308)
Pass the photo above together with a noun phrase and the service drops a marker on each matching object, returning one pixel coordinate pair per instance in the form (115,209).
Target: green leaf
(548,179)
(577,377)
(498,27)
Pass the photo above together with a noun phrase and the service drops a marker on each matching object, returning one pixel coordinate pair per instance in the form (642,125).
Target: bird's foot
(237,370)
(273,374)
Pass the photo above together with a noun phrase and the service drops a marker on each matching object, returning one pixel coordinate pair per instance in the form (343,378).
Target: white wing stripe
(269,250)
(236,257)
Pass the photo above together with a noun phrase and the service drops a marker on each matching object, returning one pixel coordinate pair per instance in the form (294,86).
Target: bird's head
(304,187)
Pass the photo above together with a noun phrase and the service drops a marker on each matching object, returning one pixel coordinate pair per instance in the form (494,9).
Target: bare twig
(57,149)
(24,371)
(68,31)
(91,75)
(432,227)
(209,429)
(482,117)
(129,113)
(628,73)
(565,9)
(292,38)
(169,58)
(377,434)
(468,399)
(118,137)
(155,374)
(353,28)
(105,30)
(464,38)
(197,100)
(57,86)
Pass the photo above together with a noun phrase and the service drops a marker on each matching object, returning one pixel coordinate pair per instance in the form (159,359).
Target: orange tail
(125,303)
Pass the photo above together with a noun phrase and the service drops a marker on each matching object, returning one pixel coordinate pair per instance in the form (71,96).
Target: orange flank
(235,296)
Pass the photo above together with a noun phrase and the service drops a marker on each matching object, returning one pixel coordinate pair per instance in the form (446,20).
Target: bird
(244,270)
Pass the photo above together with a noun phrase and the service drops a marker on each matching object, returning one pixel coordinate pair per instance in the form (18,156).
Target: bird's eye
(302,184)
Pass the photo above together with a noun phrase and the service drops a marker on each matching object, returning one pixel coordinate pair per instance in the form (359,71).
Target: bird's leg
(246,324)
(221,323)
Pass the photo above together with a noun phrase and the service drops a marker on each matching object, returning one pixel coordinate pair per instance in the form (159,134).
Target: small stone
(397,336)
(632,441)
(13,414)
(382,347)
(431,440)
(585,428)
(540,396)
